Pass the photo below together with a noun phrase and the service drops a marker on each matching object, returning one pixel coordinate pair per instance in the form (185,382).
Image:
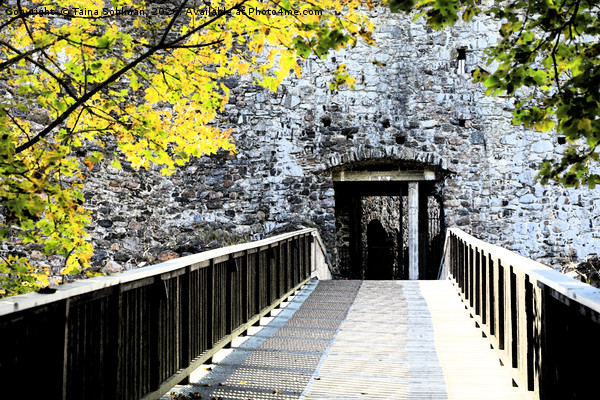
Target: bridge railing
(544,324)
(137,334)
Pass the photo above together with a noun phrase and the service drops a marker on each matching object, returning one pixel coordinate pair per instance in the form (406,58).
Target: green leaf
(401,5)
(584,124)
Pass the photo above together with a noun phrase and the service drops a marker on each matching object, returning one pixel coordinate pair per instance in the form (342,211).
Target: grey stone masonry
(410,108)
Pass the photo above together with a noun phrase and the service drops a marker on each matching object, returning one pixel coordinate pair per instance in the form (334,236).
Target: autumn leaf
(154,99)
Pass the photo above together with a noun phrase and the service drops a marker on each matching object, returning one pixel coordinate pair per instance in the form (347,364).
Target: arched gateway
(399,204)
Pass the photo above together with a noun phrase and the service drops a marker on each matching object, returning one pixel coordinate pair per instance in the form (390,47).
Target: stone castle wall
(410,105)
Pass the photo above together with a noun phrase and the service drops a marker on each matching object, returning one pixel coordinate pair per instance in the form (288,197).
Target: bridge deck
(363,340)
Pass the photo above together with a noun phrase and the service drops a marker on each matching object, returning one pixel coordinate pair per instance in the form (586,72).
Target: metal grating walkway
(363,340)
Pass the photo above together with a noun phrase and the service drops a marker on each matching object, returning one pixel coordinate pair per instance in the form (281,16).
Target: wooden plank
(410,340)
(397,340)
(461,347)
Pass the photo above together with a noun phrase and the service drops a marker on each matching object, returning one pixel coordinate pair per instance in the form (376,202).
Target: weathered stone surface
(105,223)
(167,255)
(112,267)
(587,271)
(37,255)
(405,114)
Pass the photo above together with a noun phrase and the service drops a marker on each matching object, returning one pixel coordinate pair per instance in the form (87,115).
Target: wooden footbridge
(499,326)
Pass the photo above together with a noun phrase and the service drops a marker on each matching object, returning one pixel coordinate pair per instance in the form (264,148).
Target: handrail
(532,315)
(322,268)
(139,333)
(22,302)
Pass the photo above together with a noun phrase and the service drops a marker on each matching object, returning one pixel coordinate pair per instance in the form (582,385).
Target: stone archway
(415,213)
(389,155)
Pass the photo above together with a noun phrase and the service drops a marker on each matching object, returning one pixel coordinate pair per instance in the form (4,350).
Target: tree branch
(553,53)
(20,55)
(115,76)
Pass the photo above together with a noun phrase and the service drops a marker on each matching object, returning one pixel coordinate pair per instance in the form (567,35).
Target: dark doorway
(358,252)
(380,248)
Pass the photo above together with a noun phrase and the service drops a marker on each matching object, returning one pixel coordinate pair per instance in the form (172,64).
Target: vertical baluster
(113,354)
(471,276)
(477,289)
(245,284)
(272,265)
(492,294)
(257,285)
(530,341)
(210,306)
(157,346)
(484,288)
(501,314)
(452,253)
(65,344)
(457,262)
(281,287)
(229,295)
(204,308)
(514,319)
(464,268)
(303,268)
(307,257)
(186,310)
(288,265)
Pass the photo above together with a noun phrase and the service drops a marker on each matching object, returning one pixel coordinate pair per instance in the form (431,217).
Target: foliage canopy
(135,80)
(548,55)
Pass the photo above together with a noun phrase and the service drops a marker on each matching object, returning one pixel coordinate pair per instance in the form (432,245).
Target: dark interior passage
(380,252)
(372,229)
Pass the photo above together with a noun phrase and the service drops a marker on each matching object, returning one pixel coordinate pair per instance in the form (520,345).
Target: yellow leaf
(584,124)
(151,96)
(173,120)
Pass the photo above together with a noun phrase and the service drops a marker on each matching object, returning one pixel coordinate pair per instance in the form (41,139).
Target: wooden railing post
(245,283)
(492,295)
(309,264)
(113,380)
(281,268)
(229,296)
(210,307)
(501,306)
(454,261)
(186,309)
(65,347)
(530,336)
(257,278)
(513,309)
(477,290)
(469,291)
(154,307)
(273,274)
(484,289)
(463,269)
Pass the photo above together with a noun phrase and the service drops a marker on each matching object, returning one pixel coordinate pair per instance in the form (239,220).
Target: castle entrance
(389,224)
